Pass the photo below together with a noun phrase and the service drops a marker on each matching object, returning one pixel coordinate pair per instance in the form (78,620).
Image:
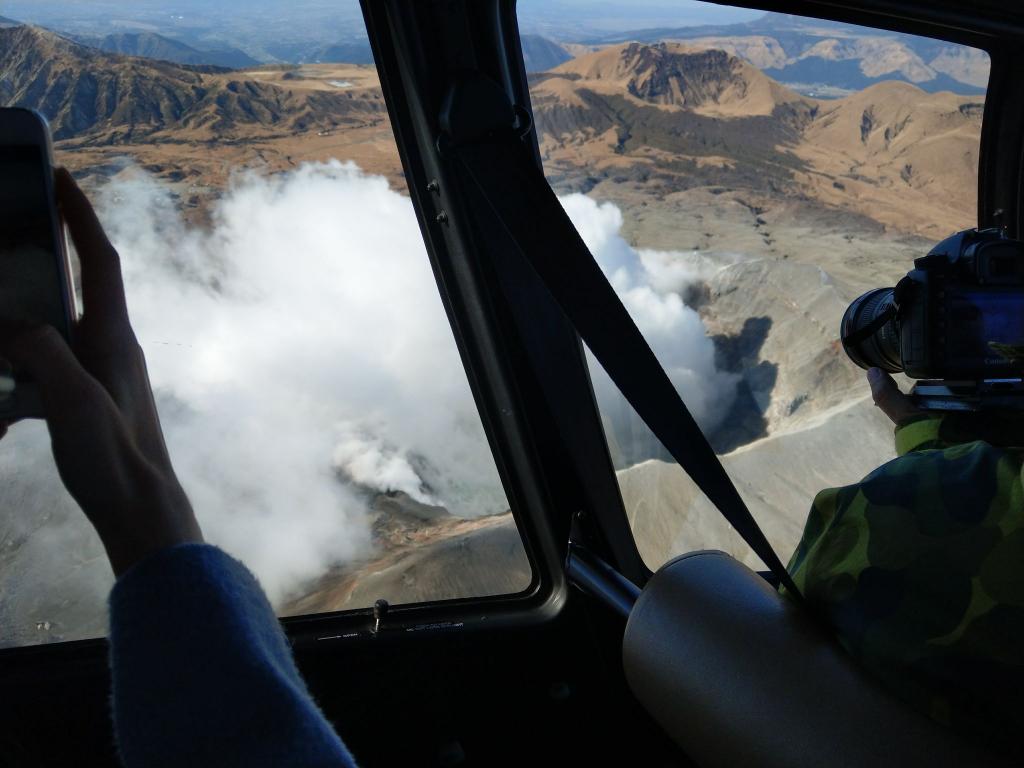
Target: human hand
(887,396)
(99,406)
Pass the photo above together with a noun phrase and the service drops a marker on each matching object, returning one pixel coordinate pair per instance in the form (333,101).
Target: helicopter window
(311,391)
(741,176)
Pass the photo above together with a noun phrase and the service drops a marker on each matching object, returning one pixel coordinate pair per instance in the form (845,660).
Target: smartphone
(36,286)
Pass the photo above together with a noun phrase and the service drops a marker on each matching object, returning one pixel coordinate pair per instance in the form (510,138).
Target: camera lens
(880,349)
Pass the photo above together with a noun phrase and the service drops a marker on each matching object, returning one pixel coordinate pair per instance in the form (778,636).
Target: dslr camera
(955,323)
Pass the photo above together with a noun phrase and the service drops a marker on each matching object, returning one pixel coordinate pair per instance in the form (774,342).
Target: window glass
(741,176)
(314,403)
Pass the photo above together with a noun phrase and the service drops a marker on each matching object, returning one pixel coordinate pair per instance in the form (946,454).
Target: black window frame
(1000,195)
(499,56)
(519,355)
(1000,185)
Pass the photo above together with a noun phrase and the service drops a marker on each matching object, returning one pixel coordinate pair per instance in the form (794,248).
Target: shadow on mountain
(740,353)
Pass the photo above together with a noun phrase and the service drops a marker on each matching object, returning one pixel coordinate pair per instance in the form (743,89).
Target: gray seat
(738,676)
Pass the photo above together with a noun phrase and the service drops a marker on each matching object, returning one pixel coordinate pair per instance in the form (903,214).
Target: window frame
(942,21)
(998,188)
(547,493)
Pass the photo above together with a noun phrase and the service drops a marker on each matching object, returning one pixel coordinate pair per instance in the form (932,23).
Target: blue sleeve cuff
(202,672)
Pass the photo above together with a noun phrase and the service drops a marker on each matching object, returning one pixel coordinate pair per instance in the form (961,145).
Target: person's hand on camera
(99,406)
(887,396)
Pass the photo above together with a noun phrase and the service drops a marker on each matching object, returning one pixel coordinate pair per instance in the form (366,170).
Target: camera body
(957,316)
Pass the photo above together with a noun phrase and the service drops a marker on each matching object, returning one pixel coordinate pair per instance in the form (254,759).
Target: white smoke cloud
(650,284)
(302,360)
(300,352)
(677,271)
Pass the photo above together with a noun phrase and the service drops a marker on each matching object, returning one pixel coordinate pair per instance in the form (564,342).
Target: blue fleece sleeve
(203,674)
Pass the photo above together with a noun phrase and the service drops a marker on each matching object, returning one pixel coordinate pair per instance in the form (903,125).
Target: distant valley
(150,45)
(814,54)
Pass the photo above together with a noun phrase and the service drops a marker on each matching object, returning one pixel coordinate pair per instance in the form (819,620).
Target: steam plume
(302,362)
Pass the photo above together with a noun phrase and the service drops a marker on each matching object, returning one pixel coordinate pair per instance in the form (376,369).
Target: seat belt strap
(505,175)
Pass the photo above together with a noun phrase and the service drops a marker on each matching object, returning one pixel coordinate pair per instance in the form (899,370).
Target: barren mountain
(760,50)
(153,46)
(540,53)
(812,54)
(674,76)
(676,117)
(903,156)
(863,61)
(193,126)
(422,553)
(667,117)
(100,98)
(964,64)
(80,89)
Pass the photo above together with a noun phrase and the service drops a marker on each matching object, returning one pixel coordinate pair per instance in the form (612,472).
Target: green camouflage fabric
(919,569)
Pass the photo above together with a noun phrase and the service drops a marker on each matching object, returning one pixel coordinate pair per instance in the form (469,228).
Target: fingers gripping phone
(35,272)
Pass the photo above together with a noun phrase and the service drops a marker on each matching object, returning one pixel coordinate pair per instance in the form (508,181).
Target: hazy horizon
(555,17)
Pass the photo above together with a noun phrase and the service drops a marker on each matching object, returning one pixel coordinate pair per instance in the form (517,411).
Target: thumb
(887,396)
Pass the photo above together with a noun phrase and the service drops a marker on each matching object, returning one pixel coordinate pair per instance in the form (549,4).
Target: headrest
(739,676)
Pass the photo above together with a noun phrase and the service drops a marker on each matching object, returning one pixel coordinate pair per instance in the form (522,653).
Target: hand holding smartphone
(36,286)
(99,406)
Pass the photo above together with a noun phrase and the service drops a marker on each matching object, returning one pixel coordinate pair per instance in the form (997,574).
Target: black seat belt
(500,169)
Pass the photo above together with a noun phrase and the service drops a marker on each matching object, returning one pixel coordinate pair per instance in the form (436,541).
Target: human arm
(202,673)
(915,429)
(916,567)
(104,431)
(919,430)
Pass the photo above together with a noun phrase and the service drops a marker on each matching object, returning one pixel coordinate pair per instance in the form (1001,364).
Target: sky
(556,17)
(604,15)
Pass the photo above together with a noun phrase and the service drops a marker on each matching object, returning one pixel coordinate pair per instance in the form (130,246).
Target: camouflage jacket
(919,569)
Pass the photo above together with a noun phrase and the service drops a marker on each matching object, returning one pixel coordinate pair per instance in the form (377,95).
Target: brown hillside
(417,560)
(674,117)
(760,50)
(674,76)
(877,56)
(79,89)
(669,117)
(894,140)
(100,98)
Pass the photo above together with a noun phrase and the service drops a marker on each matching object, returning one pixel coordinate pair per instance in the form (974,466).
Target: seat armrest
(739,676)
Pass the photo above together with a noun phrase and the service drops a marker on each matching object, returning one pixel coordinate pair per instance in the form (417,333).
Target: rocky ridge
(795,49)
(99,98)
(674,117)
